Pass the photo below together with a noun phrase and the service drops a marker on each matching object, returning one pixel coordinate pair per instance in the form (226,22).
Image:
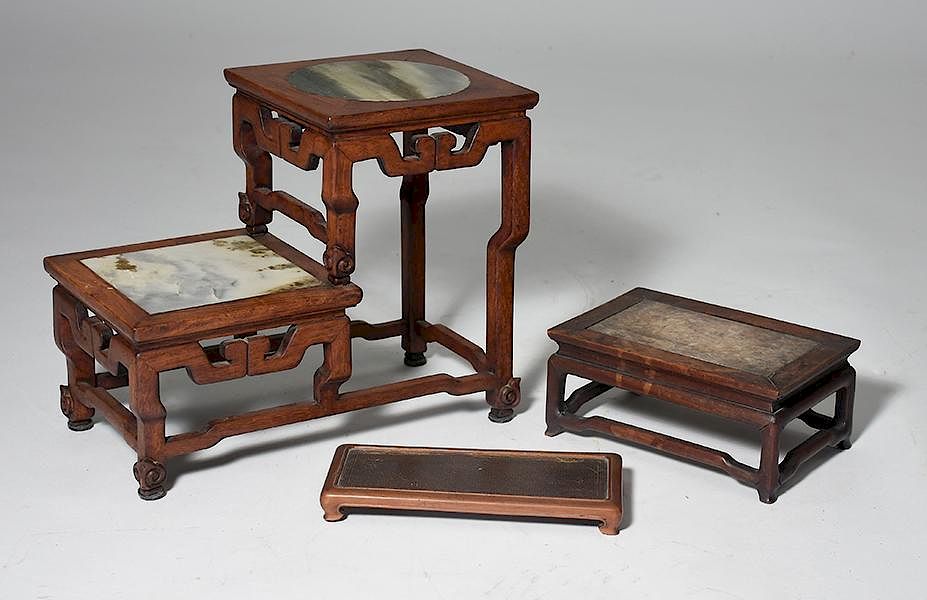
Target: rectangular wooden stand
(715,360)
(564,485)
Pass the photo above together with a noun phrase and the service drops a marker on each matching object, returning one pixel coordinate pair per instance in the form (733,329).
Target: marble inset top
(704,337)
(378,80)
(199,273)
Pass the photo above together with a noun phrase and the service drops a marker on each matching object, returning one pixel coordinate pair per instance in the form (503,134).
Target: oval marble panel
(378,80)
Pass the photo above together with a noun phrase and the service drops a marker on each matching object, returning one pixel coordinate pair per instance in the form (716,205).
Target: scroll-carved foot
(150,475)
(78,415)
(339,262)
(507,398)
(415,359)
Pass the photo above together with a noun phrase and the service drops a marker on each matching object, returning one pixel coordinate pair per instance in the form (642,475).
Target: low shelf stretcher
(714,360)
(113,311)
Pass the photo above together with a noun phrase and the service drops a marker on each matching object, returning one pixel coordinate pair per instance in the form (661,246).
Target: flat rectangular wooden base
(566,485)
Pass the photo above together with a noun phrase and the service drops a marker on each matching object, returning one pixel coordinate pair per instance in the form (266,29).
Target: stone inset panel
(378,80)
(207,272)
(705,337)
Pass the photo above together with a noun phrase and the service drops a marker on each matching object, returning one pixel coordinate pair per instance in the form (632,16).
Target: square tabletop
(198,284)
(387,89)
(701,341)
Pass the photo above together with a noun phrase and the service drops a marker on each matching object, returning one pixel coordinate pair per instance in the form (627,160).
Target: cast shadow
(872,398)
(627,497)
(355,422)
(575,242)
(563,522)
(190,407)
(626,517)
(460,223)
(565,236)
(571,236)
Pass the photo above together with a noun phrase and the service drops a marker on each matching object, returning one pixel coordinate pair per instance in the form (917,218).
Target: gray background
(767,156)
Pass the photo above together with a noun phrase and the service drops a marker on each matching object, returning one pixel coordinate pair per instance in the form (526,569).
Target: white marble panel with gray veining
(199,273)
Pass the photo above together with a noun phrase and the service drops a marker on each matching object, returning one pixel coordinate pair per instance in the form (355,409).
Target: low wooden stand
(731,364)
(95,322)
(583,486)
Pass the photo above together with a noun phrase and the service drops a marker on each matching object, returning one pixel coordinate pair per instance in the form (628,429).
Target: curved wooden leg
(500,271)
(768,483)
(80,365)
(145,402)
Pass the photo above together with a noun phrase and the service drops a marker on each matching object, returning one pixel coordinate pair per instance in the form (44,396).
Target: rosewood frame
(171,340)
(768,404)
(263,130)
(607,511)
(134,346)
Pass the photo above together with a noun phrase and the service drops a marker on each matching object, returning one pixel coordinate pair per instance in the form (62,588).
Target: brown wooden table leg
(336,365)
(500,271)
(144,398)
(81,367)
(341,204)
(258,167)
(556,387)
(843,409)
(768,482)
(412,195)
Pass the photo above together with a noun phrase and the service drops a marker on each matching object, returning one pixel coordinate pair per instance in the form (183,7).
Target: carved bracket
(304,146)
(264,358)
(389,157)
(275,133)
(254,355)
(434,152)
(229,360)
(296,144)
(91,335)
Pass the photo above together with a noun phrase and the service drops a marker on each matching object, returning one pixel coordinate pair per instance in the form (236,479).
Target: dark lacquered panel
(475,472)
